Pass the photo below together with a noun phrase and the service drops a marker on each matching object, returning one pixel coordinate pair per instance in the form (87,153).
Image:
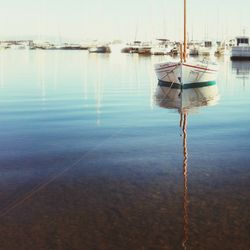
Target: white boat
(131,47)
(145,48)
(193,50)
(186,74)
(207,48)
(241,51)
(221,49)
(100,49)
(174,51)
(161,47)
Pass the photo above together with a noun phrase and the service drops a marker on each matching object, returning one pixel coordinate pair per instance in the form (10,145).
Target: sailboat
(186,73)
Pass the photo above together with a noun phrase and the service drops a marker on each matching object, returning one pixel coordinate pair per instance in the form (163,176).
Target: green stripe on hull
(186,85)
(169,84)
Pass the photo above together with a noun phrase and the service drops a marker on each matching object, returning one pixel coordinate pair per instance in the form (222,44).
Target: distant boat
(138,47)
(221,49)
(4,45)
(207,48)
(183,73)
(99,49)
(193,49)
(241,51)
(174,51)
(160,48)
(145,48)
(42,45)
(126,49)
(131,47)
(67,46)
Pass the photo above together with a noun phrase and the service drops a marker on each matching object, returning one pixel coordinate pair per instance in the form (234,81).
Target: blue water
(90,161)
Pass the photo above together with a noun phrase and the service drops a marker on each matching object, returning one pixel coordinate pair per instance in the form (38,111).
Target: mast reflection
(183,124)
(186,101)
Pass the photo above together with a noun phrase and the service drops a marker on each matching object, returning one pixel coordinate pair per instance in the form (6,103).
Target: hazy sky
(127,20)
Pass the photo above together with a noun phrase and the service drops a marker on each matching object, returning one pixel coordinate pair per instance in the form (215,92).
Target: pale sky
(126,20)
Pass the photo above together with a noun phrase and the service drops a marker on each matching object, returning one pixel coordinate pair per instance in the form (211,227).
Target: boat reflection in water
(186,101)
(241,69)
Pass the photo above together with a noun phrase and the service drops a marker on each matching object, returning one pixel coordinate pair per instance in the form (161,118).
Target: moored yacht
(186,73)
(131,47)
(138,47)
(193,49)
(161,47)
(221,48)
(100,49)
(145,48)
(207,48)
(241,51)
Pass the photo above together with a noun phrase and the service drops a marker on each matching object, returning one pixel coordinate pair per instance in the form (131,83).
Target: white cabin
(242,41)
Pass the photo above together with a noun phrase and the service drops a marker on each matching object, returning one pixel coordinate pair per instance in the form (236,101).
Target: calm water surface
(88,160)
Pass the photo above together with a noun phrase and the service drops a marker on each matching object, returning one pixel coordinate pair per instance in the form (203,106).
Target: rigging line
(41,186)
(169,72)
(203,72)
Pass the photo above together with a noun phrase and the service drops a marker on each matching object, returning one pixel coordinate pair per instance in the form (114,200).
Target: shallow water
(90,161)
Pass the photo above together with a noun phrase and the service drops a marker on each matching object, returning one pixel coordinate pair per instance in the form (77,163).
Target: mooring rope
(171,71)
(172,82)
(19,201)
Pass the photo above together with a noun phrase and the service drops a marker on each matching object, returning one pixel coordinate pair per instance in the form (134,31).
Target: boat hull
(240,53)
(99,49)
(144,51)
(194,52)
(186,75)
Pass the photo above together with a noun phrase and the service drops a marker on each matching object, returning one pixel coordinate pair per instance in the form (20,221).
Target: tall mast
(185,32)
